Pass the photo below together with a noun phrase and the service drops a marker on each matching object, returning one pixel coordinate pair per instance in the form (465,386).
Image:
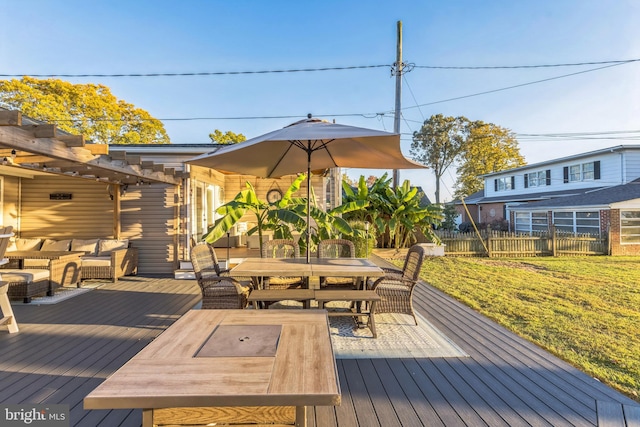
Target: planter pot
(431,249)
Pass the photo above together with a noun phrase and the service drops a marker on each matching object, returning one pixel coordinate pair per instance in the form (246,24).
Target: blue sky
(112,37)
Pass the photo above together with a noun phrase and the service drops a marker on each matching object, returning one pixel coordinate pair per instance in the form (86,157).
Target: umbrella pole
(308,204)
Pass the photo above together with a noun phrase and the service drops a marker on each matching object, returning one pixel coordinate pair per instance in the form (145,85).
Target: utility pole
(398,66)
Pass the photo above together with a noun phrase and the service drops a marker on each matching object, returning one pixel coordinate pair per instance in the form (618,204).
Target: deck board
(65,350)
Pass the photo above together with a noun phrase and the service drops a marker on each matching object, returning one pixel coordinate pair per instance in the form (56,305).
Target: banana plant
(406,216)
(396,213)
(277,216)
(283,217)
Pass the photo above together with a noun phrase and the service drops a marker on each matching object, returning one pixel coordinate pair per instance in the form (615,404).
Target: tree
(439,143)
(87,109)
(488,148)
(217,137)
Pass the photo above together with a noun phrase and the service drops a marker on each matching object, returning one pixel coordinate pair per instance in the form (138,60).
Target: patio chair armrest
(392,280)
(391,270)
(124,262)
(214,280)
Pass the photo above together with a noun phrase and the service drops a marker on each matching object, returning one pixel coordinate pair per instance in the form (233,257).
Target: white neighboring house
(592,192)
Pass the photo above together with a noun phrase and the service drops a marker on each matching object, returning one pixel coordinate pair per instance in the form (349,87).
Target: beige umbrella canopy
(307,145)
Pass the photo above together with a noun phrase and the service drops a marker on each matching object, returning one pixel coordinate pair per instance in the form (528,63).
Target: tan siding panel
(89,214)
(10,202)
(148,220)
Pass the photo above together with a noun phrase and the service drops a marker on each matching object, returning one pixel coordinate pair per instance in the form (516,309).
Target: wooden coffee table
(224,366)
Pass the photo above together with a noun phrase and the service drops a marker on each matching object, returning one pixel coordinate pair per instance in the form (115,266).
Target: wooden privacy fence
(508,244)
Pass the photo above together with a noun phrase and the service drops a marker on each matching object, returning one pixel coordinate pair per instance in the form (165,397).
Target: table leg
(372,321)
(301,416)
(147,418)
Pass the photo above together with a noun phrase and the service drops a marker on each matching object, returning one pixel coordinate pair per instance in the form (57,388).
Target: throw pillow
(28,244)
(106,246)
(89,247)
(55,245)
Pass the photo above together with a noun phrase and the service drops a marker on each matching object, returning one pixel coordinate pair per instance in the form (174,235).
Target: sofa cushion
(89,247)
(95,261)
(106,246)
(28,276)
(55,245)
(25,245)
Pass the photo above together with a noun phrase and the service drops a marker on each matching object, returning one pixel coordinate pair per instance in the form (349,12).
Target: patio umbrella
(310,144)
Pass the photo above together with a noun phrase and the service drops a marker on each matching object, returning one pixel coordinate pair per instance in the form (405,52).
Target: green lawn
(585,310)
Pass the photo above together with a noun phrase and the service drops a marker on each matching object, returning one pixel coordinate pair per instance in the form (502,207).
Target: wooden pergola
(28,148)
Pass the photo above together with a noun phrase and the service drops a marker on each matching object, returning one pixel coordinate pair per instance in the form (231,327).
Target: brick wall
(616,247)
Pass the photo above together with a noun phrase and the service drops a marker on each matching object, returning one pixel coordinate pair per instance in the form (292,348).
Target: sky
(598,106)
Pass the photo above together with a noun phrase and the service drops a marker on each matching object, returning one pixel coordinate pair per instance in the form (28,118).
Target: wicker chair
(218,289)
(337,248)
(396,287)
(282,248)
(208,261)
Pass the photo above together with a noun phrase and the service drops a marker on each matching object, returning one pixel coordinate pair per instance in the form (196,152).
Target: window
(574,173)
(527,222)
(578,222)
(503,184)
(630,227)
(582,172)
(587,171)
(537,179)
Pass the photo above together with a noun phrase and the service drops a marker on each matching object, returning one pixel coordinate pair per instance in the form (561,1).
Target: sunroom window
(630,227)
(528,222)
(578,222)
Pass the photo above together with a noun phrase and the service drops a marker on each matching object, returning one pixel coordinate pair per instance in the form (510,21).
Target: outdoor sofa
(103,259)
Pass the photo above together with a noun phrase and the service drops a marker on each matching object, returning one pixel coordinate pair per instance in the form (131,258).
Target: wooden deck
(64,351)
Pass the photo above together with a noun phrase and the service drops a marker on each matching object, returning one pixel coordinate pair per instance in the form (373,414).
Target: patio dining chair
(337,248)
(218,289)
(282,248)
(396,286)
(207,260)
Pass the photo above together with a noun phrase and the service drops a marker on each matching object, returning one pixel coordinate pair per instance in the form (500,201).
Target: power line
(508,67)
(304,70)
(200,74)
(371,115)
(516,86)
(186,119)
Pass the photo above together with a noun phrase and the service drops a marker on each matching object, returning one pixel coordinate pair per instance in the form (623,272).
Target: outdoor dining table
(317,267)
(229,366)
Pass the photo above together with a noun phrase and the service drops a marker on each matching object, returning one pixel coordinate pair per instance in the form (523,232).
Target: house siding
(149,219)
(631,165)
(89,214)
(148,214)
(615,168)
(10,211)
